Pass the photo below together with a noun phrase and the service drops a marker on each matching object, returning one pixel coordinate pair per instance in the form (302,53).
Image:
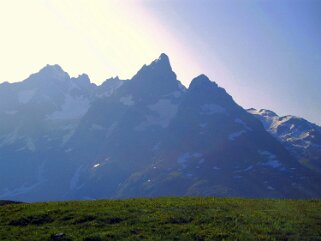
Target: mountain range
(65,138)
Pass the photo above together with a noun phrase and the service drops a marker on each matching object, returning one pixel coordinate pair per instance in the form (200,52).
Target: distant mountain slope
(214,147)
(66,138)
(301,137)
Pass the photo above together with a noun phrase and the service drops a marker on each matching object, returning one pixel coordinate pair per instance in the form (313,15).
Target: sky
(266,54)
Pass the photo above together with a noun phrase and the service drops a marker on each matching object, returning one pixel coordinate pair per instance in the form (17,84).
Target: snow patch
(273,163)
(74,181)
(295,132)
(197,154)
(110,129)
(20,149)
(68,150)
(175,94)
(95,127)
(96,165)
(235,135)
(201,161)
(164,111)
(245,169)
(182,159)
(30,145)
(156,146)
(70,129)
(25,96)
(239,121)
(248,168)
(11,112)
(10,138)
(210,109)
(127,100)
(18,191)
(270,159)
(72,108)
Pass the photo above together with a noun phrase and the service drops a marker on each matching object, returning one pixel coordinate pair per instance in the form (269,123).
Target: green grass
(163,219)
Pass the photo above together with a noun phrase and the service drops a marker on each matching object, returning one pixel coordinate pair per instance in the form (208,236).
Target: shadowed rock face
(66,138)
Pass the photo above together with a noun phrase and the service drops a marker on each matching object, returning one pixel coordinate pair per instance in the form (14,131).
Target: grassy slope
(164,219)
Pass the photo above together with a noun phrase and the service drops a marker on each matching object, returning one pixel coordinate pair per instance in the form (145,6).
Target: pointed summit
(155,80)
(203,90)
(159,69)
(51,72)
(163,58)
(162,63)
(52,67)
(202,82)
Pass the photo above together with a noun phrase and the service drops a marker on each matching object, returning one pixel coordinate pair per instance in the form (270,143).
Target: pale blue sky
(267,54)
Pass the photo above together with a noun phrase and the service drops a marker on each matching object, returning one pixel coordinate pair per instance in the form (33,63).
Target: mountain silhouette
(67,138)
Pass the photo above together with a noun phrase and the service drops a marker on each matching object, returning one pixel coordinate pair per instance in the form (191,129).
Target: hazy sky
(267,54)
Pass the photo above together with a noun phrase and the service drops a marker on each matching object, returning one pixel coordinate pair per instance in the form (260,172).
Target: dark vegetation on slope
(163,219)
(7,202)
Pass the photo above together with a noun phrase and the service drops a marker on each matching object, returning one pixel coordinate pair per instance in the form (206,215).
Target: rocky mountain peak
(202,82)
(53,72)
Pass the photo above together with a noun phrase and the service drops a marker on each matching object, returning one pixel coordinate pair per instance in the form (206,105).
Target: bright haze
(267,54)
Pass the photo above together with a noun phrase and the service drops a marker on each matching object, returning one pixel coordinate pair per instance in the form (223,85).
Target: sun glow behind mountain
(265,53)
(103,38)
